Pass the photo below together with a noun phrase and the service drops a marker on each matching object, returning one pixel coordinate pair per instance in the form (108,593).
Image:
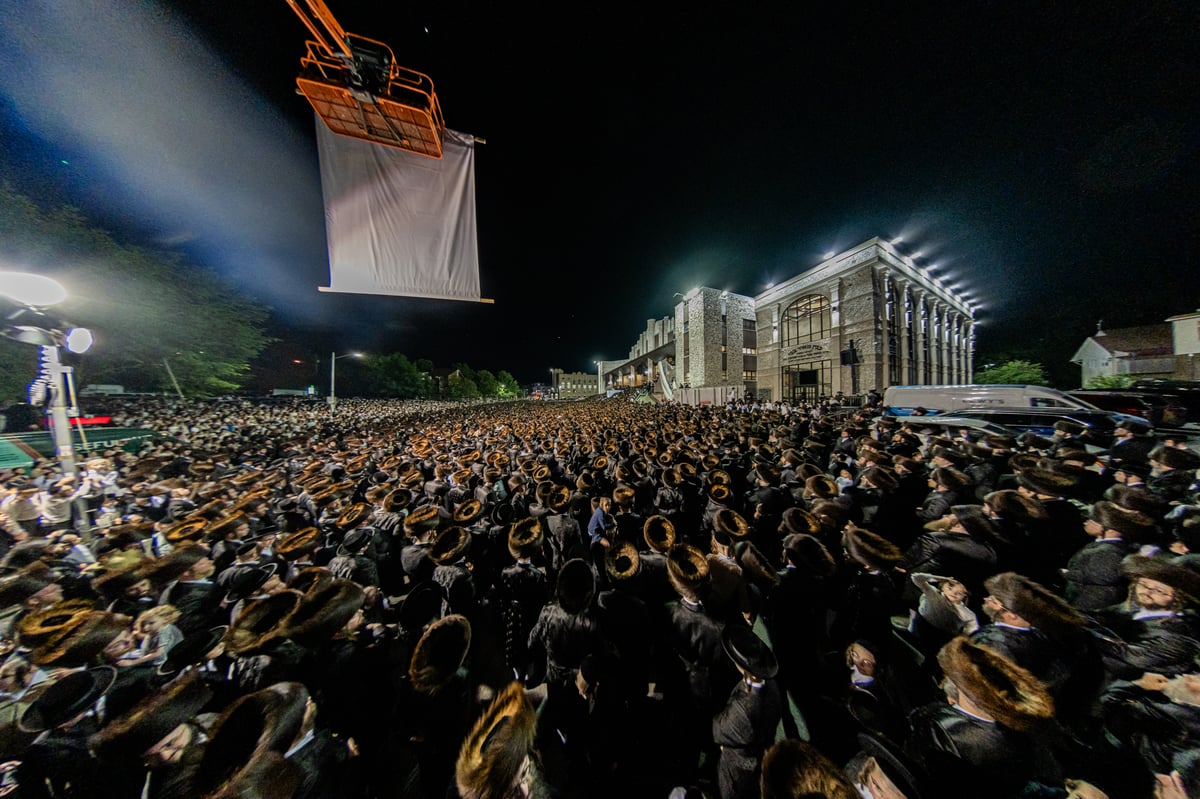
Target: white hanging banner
(397,223)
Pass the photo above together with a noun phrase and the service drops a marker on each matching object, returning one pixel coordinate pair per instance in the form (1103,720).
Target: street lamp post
(33,293)
(333,359)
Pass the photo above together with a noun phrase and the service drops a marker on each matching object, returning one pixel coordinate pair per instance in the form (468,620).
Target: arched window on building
(805,349)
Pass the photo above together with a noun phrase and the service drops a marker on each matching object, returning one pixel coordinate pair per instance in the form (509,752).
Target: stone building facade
(715,339)
(864,319)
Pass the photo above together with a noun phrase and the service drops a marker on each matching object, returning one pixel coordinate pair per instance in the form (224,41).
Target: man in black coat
(1093,574)
(1155,630)
(745,726)
(1132,444)
(983,734)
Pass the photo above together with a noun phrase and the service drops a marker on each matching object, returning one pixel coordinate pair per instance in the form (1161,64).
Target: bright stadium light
(79,340)
(36,291)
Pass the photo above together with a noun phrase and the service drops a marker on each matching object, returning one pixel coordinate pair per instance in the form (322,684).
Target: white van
(904,400)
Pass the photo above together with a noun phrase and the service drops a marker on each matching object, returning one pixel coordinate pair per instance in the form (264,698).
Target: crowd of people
(599,598)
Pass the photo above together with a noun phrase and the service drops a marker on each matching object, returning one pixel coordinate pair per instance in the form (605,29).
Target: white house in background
(1185,333)
(1139,352)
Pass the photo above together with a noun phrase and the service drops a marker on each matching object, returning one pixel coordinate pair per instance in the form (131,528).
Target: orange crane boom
(355,86)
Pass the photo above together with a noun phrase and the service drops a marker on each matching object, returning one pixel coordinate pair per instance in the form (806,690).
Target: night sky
(1040,156)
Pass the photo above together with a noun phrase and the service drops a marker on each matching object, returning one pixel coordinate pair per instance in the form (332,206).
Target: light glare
(26,288)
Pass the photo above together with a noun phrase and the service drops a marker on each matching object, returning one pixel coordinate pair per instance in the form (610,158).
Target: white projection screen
(400,224)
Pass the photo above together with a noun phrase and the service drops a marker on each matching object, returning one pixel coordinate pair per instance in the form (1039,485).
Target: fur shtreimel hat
(152,719)
(87,634)
(493,754)
(1033,602)
(1181,578)
(1046,482)
(525,538)
(440,653)
(1174,458)
(182,558)
(719,493)
(294,545)
(450,546)
(882,478)
(49,624)
(621,561)
(793,768)
(1002,689)
(821,486)
(322,613)
(259,622)
(422,520)
(659,532)
(468,512)
(950,478)
(871,550)
(258,724)
(353,516)
(1010,504)
(730,523)
(576,586)
(687,570)
(797,521)
(1131,524)
(976,522)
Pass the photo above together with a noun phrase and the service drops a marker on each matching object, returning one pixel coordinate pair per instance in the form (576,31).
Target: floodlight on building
(829,255)
(770,285)
(897,241)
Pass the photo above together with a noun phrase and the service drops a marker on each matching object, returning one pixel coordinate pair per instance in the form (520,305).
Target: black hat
(153,718)
(749,651)
(192,649)
(576,586)
(67,698)
(241,582)
(422,606)
(355,541)
(1135,426)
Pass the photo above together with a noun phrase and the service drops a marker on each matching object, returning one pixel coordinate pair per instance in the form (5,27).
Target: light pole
(33,293)
(333,359)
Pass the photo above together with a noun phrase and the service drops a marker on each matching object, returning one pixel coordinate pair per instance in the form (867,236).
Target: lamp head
(37,291)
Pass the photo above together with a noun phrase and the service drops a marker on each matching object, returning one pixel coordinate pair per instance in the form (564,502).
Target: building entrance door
(807,382)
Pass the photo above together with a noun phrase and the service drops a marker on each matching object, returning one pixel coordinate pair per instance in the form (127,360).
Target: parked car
(952,423)
(1187,392)
(1100,424)
(1162,410)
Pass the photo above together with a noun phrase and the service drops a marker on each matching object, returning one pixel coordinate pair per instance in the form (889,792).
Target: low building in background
(1136,352)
